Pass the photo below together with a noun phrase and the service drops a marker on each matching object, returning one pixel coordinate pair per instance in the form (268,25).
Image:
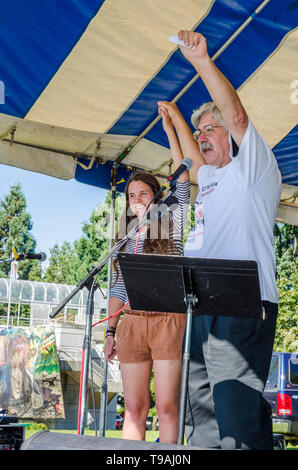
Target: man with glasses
(239,192)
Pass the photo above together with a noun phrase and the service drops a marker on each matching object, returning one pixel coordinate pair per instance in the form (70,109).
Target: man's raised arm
(220,89)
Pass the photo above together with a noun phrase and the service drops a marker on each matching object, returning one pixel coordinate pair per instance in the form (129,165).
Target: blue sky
(57,207)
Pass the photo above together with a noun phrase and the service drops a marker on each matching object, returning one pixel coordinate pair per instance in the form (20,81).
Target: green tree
(15,230)
(93,246)
(286,338)
(190,221)
(59,269)
(71,263)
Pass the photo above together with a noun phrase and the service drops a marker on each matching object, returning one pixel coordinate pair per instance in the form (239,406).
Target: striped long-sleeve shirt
(179,216)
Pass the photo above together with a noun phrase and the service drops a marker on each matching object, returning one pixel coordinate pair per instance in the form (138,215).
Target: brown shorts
(143,338)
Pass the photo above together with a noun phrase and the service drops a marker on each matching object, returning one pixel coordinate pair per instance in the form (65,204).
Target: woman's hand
(166,120)
(169,113)
(110,348)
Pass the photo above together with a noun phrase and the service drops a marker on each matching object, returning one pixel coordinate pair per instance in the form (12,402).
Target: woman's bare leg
(167,382)
(136,387)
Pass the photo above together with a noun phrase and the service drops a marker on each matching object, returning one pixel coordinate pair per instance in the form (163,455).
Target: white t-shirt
(236,208)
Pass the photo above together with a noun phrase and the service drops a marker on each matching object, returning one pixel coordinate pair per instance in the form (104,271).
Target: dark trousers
(229,366)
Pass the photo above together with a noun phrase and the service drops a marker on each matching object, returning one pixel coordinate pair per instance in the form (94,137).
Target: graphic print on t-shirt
(197,231)
(209,188)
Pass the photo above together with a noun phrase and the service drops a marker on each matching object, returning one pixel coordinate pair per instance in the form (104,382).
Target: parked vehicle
(119,421)
(281,392)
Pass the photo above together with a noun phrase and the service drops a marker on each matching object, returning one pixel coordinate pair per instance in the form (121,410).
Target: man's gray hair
(211,108)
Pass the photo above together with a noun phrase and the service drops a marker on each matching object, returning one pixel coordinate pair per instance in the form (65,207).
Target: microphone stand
(89,282)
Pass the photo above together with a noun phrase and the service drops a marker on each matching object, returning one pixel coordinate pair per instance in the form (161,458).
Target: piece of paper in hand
(174,38)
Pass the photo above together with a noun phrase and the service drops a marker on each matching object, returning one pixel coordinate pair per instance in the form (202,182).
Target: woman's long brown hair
(163,244)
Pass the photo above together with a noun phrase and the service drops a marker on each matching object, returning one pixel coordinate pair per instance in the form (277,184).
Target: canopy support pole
(104,386)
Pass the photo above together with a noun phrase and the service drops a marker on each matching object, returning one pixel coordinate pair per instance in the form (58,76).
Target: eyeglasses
(206,130)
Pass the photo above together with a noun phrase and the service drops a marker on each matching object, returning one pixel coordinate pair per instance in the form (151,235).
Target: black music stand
(195,286)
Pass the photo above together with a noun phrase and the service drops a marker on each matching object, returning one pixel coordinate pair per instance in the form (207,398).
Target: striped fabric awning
(80,81)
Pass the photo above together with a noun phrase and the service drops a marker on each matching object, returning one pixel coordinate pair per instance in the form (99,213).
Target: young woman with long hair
(149,339)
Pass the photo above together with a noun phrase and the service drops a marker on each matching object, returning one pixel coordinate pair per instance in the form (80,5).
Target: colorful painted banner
(30,385)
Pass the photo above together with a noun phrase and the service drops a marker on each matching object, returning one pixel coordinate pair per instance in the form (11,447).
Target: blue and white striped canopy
(80,79)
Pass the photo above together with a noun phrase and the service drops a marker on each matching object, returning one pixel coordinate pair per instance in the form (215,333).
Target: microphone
(168,201)
(40,256)
(163,207)
(186,164)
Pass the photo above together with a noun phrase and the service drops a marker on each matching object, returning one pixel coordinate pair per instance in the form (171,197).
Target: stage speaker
(45,440)
(11,436)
